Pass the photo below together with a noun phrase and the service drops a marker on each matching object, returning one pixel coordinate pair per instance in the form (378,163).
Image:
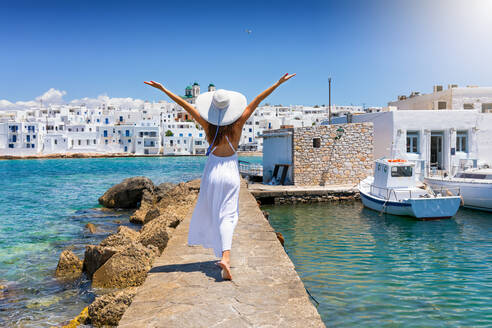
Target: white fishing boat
(475,187)
(393,189)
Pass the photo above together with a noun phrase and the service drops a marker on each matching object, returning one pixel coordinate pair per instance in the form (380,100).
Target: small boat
(475,187)
(393,189)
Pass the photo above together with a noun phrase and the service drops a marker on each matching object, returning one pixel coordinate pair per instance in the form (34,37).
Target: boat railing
(402,194)
(387,191)
(447,191)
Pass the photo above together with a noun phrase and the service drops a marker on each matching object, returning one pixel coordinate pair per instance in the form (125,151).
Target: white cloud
(52,97)
(104,99)
(55,97)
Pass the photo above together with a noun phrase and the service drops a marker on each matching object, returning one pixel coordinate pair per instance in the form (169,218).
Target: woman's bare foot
(226,270)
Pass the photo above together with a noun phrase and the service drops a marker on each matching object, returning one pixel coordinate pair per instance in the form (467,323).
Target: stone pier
(184,288)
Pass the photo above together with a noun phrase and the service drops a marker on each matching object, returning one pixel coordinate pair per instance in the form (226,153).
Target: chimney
(451,86)
(438,88)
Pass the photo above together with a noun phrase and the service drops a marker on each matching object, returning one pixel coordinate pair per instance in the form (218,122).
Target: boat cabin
(394,173)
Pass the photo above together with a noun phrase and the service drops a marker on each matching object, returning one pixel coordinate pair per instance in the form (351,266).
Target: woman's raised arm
(186,105)
(252,105)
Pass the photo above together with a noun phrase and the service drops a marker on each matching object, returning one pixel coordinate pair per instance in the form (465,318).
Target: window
(487,108)
(441,105)
(401,171)
(34,136)
(462,141)
(201,134)
(87,141)
(250,130)
(106,141)
(412,142)
(94,141)
(56,142)
(249,139)
(180,134)
(127,133)
(11,145)
(105,133)
(79,142)
(189,134)
(316,142)
(467,106)
(28,145)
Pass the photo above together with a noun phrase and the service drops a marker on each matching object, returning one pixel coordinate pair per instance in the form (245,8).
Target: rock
(182,193)
(91,227)
(123,237)
(128,232)
(156,233)
(107,310)
(126,194)
(81,319)
(162,189)
(69,266)
(127,268)
(147,203)
(280,238)
(96,255)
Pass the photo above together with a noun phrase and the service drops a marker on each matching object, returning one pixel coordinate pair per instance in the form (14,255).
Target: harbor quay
(290,194)
(184,287)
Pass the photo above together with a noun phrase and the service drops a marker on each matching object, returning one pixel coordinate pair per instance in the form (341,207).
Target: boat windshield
(401,171)
(474,176)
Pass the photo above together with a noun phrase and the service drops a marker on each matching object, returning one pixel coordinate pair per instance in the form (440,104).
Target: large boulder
(147,204)
(155,233)
(162,189)
(107,310)
(69,266)
(126,268)
(126,194)
(183,193)
(96,255)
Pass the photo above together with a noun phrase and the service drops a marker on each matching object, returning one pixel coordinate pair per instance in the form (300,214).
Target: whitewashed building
(436,139)
(454,97)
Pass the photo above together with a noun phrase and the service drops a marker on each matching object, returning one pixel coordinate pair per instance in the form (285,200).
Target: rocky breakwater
(121,261)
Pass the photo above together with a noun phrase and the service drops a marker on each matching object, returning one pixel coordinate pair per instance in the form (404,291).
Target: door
(436,151)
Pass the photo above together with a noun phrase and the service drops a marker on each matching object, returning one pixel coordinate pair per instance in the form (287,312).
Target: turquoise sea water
(367,270)
(44,206)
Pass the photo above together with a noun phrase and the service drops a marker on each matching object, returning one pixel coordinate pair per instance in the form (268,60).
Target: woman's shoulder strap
(234,150)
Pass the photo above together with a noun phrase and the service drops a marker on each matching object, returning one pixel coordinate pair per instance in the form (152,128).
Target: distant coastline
(97,155)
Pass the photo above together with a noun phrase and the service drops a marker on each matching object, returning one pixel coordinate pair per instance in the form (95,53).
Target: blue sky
(373,50)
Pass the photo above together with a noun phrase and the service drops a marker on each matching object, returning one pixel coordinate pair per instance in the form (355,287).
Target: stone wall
(344,156)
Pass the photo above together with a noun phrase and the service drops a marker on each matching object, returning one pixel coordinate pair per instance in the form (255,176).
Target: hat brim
(217,116)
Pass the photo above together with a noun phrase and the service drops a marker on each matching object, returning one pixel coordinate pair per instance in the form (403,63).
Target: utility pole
(329,100)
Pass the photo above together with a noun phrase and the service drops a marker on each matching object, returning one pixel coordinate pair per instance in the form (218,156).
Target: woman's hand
(285,78)
(154,84)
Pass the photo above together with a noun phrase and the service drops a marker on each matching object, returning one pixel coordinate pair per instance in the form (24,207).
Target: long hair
(224,130)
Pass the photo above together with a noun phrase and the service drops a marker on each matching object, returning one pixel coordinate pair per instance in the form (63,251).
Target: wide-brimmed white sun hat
(220,107)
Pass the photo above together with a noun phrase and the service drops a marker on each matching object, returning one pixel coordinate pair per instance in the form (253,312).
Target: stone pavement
(184,288)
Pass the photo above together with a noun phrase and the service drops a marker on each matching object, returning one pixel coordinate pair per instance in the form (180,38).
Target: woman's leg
(226,231)
(225,264)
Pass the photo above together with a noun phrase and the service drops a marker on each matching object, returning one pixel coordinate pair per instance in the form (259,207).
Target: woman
(222,115)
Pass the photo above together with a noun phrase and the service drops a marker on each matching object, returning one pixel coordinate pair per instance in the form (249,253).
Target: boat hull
(475,195)
(422,209)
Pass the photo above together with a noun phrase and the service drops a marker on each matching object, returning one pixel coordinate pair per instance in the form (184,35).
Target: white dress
(217,209)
